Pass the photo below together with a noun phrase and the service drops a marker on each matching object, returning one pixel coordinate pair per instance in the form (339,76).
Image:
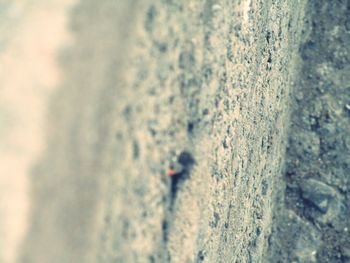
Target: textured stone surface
(167,135)
(145,81)
(215,84)
(318,157)
(318,193)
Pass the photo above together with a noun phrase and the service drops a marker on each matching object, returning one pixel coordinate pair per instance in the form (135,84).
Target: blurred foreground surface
(31,33)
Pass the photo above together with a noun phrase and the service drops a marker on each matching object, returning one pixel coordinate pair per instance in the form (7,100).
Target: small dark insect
(182,165)
(179,171)
(186,159)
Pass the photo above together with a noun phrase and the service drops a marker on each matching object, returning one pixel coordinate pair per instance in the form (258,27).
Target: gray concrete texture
(168,135)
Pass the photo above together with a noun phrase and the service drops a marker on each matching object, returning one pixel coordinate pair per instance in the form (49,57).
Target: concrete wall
(144,82)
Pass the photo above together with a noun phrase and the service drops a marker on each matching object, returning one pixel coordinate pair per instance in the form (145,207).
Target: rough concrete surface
(168,134)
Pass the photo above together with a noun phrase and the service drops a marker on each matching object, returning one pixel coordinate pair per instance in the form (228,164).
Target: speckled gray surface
(318,157)
(148,80)
(213,82)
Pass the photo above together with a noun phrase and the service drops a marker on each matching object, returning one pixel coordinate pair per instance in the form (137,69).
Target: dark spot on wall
(207,72)
(308,49)
(127,112)
(165,230)
(171,99)
(264,187)
(186,159)
(152,259)
(135,150)
(225,143)
(162,47)
(190,127)
(152,132)
(125,230)
(252,244)
(200,256)
(150,16)
(258,231)
(186,59)
(268,37)
(214,222)
(269,60)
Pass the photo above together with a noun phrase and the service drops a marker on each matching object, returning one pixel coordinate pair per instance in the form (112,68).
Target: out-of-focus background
(32,32)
